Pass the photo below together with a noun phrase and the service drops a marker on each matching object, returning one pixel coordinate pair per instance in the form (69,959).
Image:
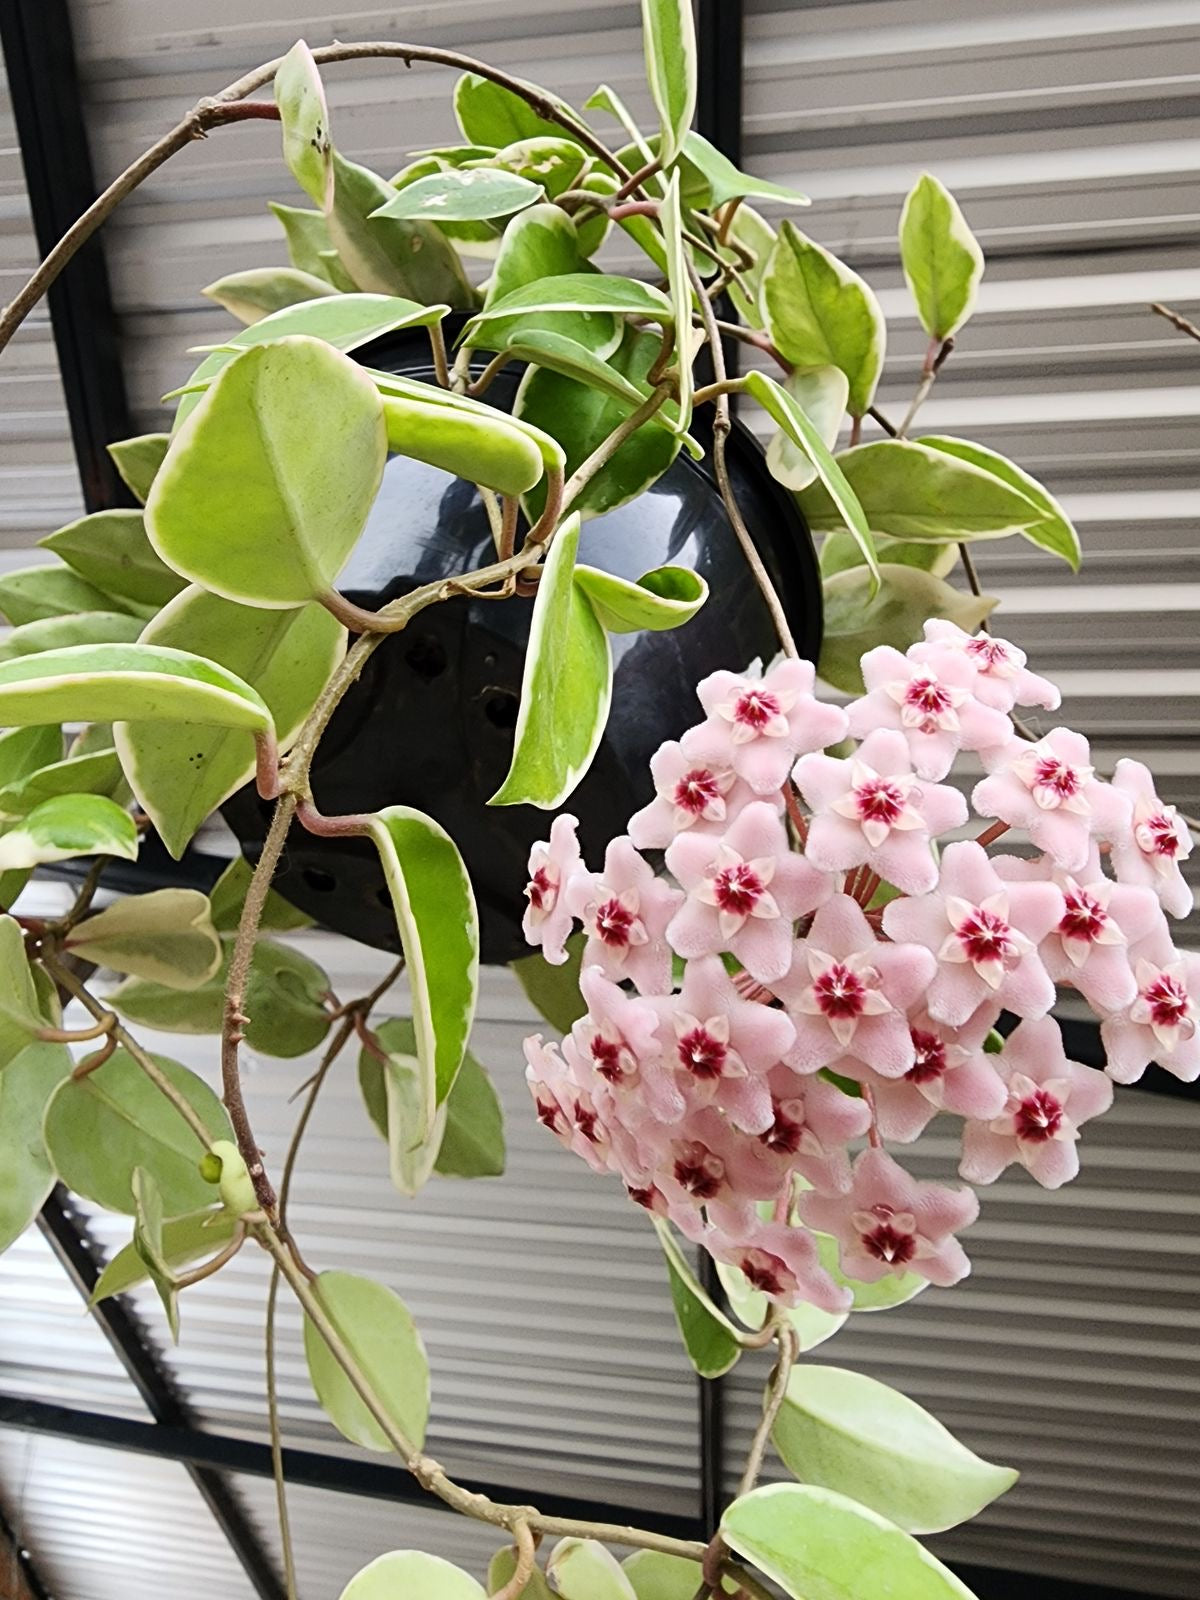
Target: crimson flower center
(1169,1002)
(738,888)
(613,923)
(929,1061)
(988,653)
(701,1054)
(1158,836)
(755,709)
(696,791)
(878,800)
(549,1115)
(1057,776)
(1038,1117)
(928,695)
(840,992)
(541,890)
(886,1242)
(1084,918)
(699,1172)
(762,1271)
(784,1134)
(585,1120)
(606,1056)
(985,936)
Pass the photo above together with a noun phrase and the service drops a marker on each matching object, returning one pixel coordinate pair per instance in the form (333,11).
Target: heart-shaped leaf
(181,771)
(256,293)
(485,449)
(669,37)
(857,620)
(821,394)
(942,261)
(493,116)
(472,1144)
(31,594)
(103,682)
(148,1243)
(26,1084)
(101,1127)
(267,485)
(184,1240)
(111,550)
(813,1326)
(439,934)
(307,148)
(471,195)
(815,1543)
(848,1432)
(374,1324)
(543,243)
(85,627)
(665,597)
(310,249)
(1054,531)
(166,936)
(820,314)
(582,1569)
(384,254)
(573,291)
(228,896)
(95,772)
(66,826)
(138,459)
(554,991)
(412,1573)
(709,1337)
(655,1575)
(566,687)
(727,182)
(680,288)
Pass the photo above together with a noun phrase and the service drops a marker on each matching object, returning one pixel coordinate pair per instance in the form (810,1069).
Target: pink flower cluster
(764,1005)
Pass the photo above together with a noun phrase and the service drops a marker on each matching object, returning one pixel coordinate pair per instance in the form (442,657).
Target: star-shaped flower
(1161,1023)
(552,866)
(695,791)
(618,1041)
(1151,851)
(625,911)
(811,1124)
(932,702)
(950,1072)
(758,726)
(1050,789)
(1002,678)
(782,1263)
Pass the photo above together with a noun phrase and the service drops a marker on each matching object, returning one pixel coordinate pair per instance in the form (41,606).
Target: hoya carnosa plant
(760,1024)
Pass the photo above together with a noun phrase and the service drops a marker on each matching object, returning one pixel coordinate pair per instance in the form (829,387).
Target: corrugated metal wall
(1068,133)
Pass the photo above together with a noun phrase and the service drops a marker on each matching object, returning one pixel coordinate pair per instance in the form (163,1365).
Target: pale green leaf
(24,751)
(504,1563)
(840,551)
(1054,530)
(813,1326)
(665,597)
(472,195)
(391,385)
(20,1010)
(412,1575)
(31,594)
(709,1337)
(820,314)
(472,238)
(375,1326)
(669,37)
(267,485)
(148,1243)
(26,1083)
(384,254)
(755,234)
(166,935)
(818,1545)
(69,825)
(484,449)
(582,1569)
(256,293)
(307,147)
(111,550)
(94,772)
(555,162)
(821,393)
(228,896)
(491,115)
(727,182)
(573,291)
(310,249)
(85,627)
(848,1432)
(679,284)
(138,459)
(439,934)
(554,991)
(99,1128)
(539,244)
(182,771)
(655,1575)
(472,1144)
(857,620)
(566,687)
(942,261)
(606,98)
(395,1091)
(184,1240)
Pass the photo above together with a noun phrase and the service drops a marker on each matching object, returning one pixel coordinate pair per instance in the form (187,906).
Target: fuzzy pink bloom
(721,1047)
(1002,678)
(984,933)
(812,1122)
(625,911)
(1151,852)
(692,793)
(872,811)
(782,1262)
(1050,789)
(564,1106)
(548,919)
(891,1223)
(950,1072)
(847,992)
(1161,1023)
(758,726)
(618,1042)
(931,702)
(1048,1098)
(744,891)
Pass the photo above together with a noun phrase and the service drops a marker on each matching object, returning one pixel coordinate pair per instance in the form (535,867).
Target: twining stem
(1176,321)
(211,1267)
(523,1571)
(276,1436)
(789,1348)
(77,1035)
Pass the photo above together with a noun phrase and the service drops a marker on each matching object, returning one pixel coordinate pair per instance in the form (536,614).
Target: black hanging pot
(430,724)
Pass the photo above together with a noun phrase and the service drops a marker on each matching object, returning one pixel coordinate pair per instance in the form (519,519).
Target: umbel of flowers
(823,963)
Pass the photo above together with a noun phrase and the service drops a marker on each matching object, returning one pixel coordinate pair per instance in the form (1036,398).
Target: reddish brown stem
(314,821)
(798,819)
(990,835)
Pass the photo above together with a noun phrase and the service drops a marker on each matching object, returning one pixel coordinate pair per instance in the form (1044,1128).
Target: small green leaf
(374,1324)
(395,1093)
(755,234)
(680,287)
(25,751)
(32,594)
(20,1011)
(473,238)
(504,1563)
(821,394)
(566,687)
(553,161)
(840,551)
(909,491)
(138,459)
(111,550)
(539,244)
(256,293)
(669,36)
(489,114)
(228,896)
(656,1576)
(184,1240)
(384,254)
(554,991)
(484,449)
(857,620)
(472,1145)
(307,148)
(94,772)
(148,1242)
(573,291)
(181,771)
(813,1326)
(85,627)
(439,934)
(942,261)
(69,825)
(847,1432)
(267,485)
(895,1289)
(401,1574)
(582,1569)
(103,682)
(473,195)
(709,1337)
(310,249)
(166,935)
(99,1128)
(664,598)
(818,1545)
(820,314)
(1054,531)
(26,1083)
(727,182)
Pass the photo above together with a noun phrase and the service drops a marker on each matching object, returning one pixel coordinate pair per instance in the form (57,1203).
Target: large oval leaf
(472,1144)
(710,1339)
(66,826)
(848,1432)
(543,243)
(484,449)
(490,114)
(111,550)
(1054,530)
(256,293)
(267,485)
(439,934)
(387,255)
(669,37)
(573,291)
(29,594)
(100,1128)
(94,772)
(857,620)
(582,1569)
(411,1575)
(106,682)
(85,627)
(566,687)
(373,1322)
(26,1083)
(307,149)
(24,751)
(818,1545)
(942,261)
(428,394)
(182,771)
(166,936)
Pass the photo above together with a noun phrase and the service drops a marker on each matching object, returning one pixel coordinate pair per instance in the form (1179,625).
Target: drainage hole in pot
(317,878)
(427,657)
(500,708)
